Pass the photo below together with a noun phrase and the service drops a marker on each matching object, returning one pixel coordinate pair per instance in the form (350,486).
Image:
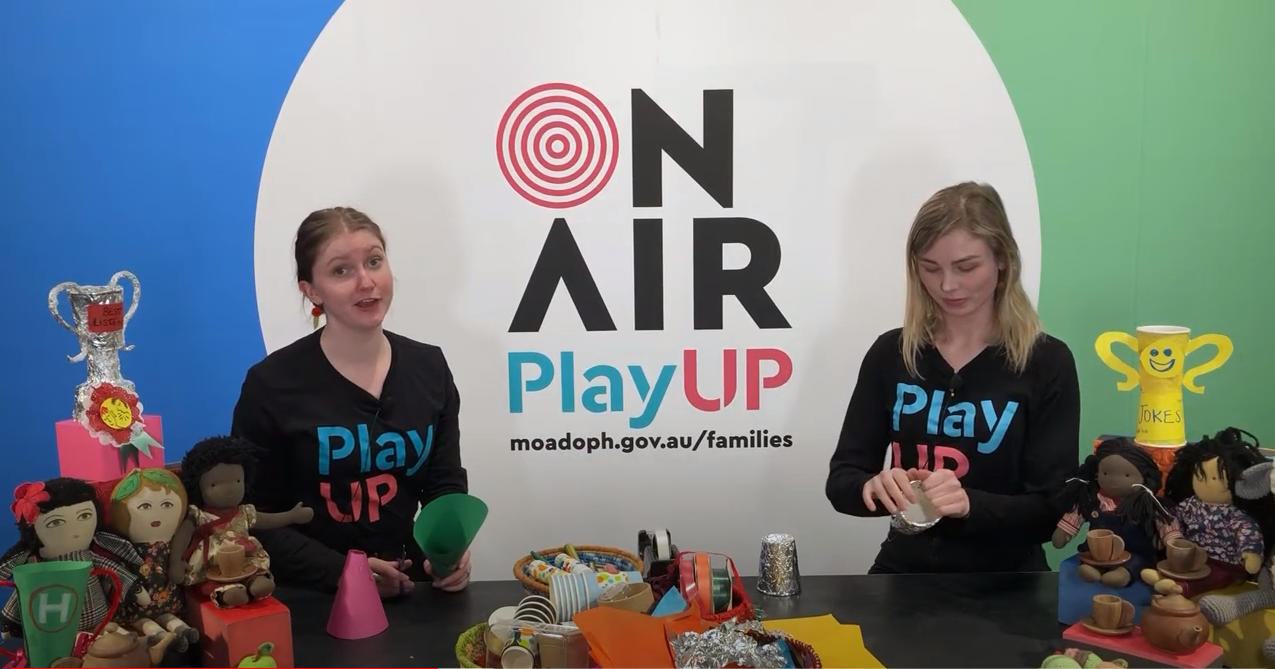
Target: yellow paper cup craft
(1162,357)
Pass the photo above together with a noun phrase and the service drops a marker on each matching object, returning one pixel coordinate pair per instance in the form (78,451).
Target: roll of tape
(721,589)
(663,545)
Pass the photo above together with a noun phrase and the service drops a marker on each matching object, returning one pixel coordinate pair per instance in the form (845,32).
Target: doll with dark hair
(1256,484)
(61,519)
(1201,490)
(221,557)
(1115,490)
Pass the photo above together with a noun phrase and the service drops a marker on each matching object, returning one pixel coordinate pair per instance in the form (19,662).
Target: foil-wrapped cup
(917,517)
(778,574)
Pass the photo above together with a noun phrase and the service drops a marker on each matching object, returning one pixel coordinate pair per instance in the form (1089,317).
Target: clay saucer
(1202,572)
(1088,559)
(214,574)
(1090,625)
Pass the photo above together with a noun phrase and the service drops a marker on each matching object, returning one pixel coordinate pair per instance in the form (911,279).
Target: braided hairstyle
(1141,508)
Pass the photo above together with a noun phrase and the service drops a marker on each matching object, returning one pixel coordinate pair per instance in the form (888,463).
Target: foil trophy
(106,403)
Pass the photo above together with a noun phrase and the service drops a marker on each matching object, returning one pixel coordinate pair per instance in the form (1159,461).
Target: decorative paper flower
(113,412)
(26,501)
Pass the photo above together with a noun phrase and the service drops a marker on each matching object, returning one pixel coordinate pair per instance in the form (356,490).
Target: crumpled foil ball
(725,645)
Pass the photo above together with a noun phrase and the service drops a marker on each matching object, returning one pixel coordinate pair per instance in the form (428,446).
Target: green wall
(1151,126)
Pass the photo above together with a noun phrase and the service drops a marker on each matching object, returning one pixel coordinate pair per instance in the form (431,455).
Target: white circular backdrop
(847,115)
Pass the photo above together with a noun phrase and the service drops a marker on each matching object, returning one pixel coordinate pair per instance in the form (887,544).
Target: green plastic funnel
(446,527)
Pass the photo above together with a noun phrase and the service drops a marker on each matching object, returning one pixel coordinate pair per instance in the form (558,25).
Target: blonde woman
(970,397)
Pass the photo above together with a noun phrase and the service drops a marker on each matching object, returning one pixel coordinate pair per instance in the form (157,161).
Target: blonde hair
(151,478)
(977,209)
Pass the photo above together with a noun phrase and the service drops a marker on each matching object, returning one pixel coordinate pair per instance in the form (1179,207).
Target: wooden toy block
(1133,647)
(82,456)
(230,635)
(1075,596)
(1241,640)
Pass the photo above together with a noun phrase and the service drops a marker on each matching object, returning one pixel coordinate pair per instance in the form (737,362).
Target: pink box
(82,456)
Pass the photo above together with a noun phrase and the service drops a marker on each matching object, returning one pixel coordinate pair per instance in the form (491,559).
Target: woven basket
(471,647)
(743,610)
(803,655)
(622,560)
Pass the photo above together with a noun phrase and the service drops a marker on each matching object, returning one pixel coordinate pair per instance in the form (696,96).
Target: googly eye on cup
(917,517)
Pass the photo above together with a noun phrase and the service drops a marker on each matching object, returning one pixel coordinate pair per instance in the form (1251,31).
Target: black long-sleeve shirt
(1012,439)
(362,463)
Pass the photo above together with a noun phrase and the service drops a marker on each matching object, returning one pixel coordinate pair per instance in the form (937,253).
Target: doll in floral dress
(1201,488)
(60,519)
(147,506)
(1256,484)
(216,472)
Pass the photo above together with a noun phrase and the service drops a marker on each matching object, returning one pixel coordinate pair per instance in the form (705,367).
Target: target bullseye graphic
(557,145)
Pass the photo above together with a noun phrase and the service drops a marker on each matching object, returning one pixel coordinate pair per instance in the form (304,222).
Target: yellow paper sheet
(838,645)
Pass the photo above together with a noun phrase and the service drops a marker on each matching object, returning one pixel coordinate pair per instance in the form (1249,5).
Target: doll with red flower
(60,519)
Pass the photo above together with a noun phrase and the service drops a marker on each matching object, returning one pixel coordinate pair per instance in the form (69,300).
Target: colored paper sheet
(838,645)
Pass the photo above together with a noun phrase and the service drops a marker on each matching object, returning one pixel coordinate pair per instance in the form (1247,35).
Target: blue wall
(132,136)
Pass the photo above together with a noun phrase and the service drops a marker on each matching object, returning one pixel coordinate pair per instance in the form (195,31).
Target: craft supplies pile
(597,606)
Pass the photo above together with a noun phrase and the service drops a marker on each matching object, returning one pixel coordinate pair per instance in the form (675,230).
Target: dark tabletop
(967,620)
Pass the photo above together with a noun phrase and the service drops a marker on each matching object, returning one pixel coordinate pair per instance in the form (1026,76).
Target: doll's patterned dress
(212,530)
(108,552)
(153,576)
(1225,531)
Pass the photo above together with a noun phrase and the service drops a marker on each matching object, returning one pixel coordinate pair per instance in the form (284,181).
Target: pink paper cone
(357,612)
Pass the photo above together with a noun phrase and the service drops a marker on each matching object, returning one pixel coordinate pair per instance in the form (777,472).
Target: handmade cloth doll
(1115,490)
(60,519)
(216,472)
(1201,490)
(147,507)
(1257,483)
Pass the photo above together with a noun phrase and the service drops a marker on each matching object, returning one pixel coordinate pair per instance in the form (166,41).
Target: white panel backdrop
(847,115)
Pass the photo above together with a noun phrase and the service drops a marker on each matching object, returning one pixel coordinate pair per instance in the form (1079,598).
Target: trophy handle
(1103,347)
(1224,350)
(53,302)
(137,292)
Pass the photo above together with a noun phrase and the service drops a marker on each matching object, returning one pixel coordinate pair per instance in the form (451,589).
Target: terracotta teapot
(119,649)
(1175,624)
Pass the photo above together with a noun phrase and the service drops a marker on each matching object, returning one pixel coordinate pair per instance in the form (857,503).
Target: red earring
(315,313)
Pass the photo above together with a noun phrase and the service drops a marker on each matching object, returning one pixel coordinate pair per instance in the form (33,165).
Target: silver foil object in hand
(917,517)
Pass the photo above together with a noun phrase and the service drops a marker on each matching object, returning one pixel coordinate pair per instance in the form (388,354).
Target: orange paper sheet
(838,645)
(620,639)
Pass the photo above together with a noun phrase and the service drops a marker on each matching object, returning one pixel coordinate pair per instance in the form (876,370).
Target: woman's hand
(143,597)
(892,487)
(945,492)
(390,581)
(455,581)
